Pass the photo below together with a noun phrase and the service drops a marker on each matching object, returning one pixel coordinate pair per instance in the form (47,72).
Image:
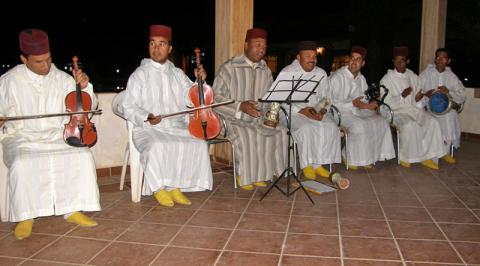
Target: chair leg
(346,150)
(451,150)
(398,146)
(234,167)
(124,167)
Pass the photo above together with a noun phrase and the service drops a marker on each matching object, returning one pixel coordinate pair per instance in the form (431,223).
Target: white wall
(470,117)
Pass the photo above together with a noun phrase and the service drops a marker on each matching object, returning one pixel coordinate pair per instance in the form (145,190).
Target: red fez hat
(359,50)
(256,33)
(307,45)
(400,51)
(162,31)
(34,42)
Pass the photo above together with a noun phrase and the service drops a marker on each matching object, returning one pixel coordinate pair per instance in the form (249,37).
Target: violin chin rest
(75,142)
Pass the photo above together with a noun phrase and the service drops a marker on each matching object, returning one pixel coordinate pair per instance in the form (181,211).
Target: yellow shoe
(309,173)
(164,198)
(260,184)
(352,167)
(81,219)
(430,164)
(449,159)
(179,198)
(368,166)
(321,171)
(23,229)
(246,187)
(405,164)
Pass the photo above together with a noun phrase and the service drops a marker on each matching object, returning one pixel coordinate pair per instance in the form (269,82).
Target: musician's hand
(200,71)
(81,78)
(153,120)
(443,89)
(357,102)
(406,92)
(419,96)
(250,108)
(2,121)
(429,93)
(372,106)
(311,113)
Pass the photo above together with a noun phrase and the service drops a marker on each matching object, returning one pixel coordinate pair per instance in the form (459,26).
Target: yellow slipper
(246,187)
(352,167)
(23,229)
(321,171)
(179,198)
(309,173)
(260,184)
(368,166)
(81,219)
(164,198)
(405,164)
(449,159)
(430,164)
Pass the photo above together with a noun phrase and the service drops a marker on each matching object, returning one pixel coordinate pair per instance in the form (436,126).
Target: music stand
(288,88)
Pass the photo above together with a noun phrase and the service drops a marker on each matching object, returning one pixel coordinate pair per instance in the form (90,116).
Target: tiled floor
(389,216)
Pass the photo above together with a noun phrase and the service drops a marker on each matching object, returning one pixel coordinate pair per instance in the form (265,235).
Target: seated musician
(45,175)
(261,150)
(439,77)
(369,136)
(173,161)
(316,134)
(420,134)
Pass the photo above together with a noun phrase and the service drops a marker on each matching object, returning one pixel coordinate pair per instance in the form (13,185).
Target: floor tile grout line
(386,220)
(434,220)
(284,242)
(236,226)
(340,236)
(186,222)
(120,234)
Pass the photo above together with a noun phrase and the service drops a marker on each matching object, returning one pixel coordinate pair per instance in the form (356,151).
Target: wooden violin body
(79,132)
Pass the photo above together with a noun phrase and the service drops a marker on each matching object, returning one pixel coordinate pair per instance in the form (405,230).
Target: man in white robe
(439,77)
(316,134)
(173,161)
(45,175)
(420,134)
(260,151)
(369,135)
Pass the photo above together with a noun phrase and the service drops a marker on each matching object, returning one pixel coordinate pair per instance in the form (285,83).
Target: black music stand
(288,88)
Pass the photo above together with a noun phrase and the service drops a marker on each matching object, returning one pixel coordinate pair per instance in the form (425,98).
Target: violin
(79,132)
(204,123)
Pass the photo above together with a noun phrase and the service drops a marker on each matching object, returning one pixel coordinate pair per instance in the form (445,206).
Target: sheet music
(304,85)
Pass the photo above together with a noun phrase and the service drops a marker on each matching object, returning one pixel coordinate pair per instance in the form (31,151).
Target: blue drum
(440,103)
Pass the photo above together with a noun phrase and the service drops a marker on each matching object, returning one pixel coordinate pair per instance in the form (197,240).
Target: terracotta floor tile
(319,209)
(428,251)
(360,211)
(406,214)
(9,261)
(202,237)
(462,232)
(349,262)
(270,207)
(274,194)
(329,197)
(10,246)
(225,204)
(149,233)
(218,219)
(264,222)
(440,201)
(362,227)
(127,212)
(168,215)
(45,263)
(369,248)
(72,250)
(453,215)
(127,254)
(399,199)
(106,229)
(6,226)
(228,191)
(185,256)
(415,230)
(309,261)
(313,225)
(239,259)
(256,241)
(347,197)
(470,252)
(312,245)
(52,225)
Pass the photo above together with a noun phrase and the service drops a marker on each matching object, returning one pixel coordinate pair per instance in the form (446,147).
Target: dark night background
(107,38)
